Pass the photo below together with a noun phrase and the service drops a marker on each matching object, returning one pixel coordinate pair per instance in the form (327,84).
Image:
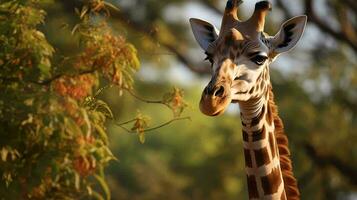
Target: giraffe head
(241,53)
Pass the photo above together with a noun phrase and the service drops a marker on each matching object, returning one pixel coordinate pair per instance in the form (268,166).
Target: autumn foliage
(54,143)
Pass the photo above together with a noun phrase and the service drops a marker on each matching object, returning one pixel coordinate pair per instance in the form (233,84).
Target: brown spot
(271,182)
(261,156)
(252,187)
(245,136)
(257,119)
(269,116)
(243,124)
(283,196)
(259,134)
(251,90)
(272,145)
(248,158)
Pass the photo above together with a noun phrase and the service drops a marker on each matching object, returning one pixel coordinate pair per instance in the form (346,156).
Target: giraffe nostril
(219,92)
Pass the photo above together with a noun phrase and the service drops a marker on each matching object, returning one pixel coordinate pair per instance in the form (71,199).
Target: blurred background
(315,87)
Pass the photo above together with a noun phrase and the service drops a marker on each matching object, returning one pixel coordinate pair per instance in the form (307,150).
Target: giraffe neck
(262,165)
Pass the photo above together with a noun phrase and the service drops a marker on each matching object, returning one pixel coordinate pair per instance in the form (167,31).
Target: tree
(54,141)
(54,144)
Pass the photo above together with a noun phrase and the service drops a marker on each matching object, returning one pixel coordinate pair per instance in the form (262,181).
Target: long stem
(153,128)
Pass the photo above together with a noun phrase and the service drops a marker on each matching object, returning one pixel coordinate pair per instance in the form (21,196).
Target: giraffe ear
(289,34)
(204,32)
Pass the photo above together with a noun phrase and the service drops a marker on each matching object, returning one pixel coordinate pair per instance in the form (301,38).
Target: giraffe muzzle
(215,99)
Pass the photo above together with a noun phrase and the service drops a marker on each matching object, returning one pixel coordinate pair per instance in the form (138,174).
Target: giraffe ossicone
(240,54)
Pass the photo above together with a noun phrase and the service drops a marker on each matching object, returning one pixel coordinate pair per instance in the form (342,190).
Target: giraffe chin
(214,106)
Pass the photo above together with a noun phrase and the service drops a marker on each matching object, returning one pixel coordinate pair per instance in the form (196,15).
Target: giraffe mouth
(216,97)
(214,106)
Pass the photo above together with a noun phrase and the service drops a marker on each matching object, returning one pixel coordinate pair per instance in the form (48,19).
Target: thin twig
(122,127)
(100,91)
(47,81)
(153,128)
(141,99)
(167,123)
(127,122)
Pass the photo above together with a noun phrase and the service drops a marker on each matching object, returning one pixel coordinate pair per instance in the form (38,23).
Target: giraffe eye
(209,57)
(259,59)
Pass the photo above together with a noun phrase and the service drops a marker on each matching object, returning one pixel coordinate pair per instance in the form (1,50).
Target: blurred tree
(54,142)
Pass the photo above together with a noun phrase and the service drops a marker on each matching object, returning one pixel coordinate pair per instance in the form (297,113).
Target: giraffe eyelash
(209,57)
(259,59)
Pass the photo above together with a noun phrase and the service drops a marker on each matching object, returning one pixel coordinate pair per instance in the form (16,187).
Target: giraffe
(240,54)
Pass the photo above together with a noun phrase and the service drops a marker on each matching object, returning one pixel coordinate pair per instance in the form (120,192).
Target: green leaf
(72,128)
(111,6)
(45,69)
(142,137)
(89,190)
(102,133)
(103,185)
(104,108)
(84,11)
(4,153)
(97,195)
(75,29)
(77,181)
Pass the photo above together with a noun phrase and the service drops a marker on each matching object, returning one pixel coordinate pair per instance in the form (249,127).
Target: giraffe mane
(290,182)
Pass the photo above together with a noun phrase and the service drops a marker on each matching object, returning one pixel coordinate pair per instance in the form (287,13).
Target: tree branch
(285,10)
(153,128)
(147,31)
(211,6)
(345,22)
(325,28)
(330,160)
(352,4)
(47,81)
(142,99)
